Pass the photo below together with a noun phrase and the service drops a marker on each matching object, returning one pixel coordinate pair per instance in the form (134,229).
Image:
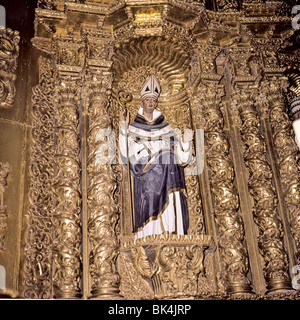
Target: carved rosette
(66,187)
(9,51)
(287,153)
(270,238)
(38,237)
(102,207)
(231,236)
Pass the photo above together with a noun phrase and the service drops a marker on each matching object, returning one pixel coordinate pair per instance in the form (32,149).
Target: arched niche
(171,62)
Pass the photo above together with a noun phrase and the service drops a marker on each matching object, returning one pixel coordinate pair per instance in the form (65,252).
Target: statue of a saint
(157,157)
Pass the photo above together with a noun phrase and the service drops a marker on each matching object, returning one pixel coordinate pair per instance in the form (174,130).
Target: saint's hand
(188,135)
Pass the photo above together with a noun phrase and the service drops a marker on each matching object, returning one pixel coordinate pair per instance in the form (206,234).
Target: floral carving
(272,95)
(38,249)
(270,238)
(231,237)
(66,187)
(102,207)
(170,266)
(9,51)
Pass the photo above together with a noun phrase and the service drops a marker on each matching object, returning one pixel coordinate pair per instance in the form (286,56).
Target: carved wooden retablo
(229,70)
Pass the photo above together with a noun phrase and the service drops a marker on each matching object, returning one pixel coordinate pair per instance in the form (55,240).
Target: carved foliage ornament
(66,187)
(270,238)
(39,234)
(231,237)
(9,51)
(102,205)
(286,149)
(166,266)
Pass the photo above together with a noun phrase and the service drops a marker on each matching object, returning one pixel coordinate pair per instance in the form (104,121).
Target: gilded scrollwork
(102,206)
(38,249)
(265,211)
(224,5)
(9,51)
(169,266)
(231,237)
(132,285)
(75,241)
(184,261)
(67,263)
(272,100)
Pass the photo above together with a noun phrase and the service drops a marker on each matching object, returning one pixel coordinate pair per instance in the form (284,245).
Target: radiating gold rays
(167,57)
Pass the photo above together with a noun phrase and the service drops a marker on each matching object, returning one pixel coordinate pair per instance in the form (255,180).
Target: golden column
(230,234)
(265,213)
(287,155)
(263,207)
(102,207)
(67,266)
(101,185)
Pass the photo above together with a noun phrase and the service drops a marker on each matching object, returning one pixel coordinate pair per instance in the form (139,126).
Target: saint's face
(149,104)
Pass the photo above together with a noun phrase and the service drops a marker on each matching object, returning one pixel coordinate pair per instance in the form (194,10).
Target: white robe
(171,218)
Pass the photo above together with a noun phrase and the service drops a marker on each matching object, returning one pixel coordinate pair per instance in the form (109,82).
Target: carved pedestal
(168,267)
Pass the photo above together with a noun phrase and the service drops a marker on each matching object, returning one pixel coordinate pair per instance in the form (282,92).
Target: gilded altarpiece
(222,70)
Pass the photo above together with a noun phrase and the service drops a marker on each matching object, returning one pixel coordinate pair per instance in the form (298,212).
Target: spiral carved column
(231,237)
(270,238)
(287,155)
(102,208)
(67,265)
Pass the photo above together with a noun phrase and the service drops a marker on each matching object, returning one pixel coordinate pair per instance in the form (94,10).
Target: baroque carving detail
(38,237)
(4,171)
(167,266)
(103,213)
(9,51)
(67,262)
(272,100)
(231,235)
(180,41)
(265,215)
